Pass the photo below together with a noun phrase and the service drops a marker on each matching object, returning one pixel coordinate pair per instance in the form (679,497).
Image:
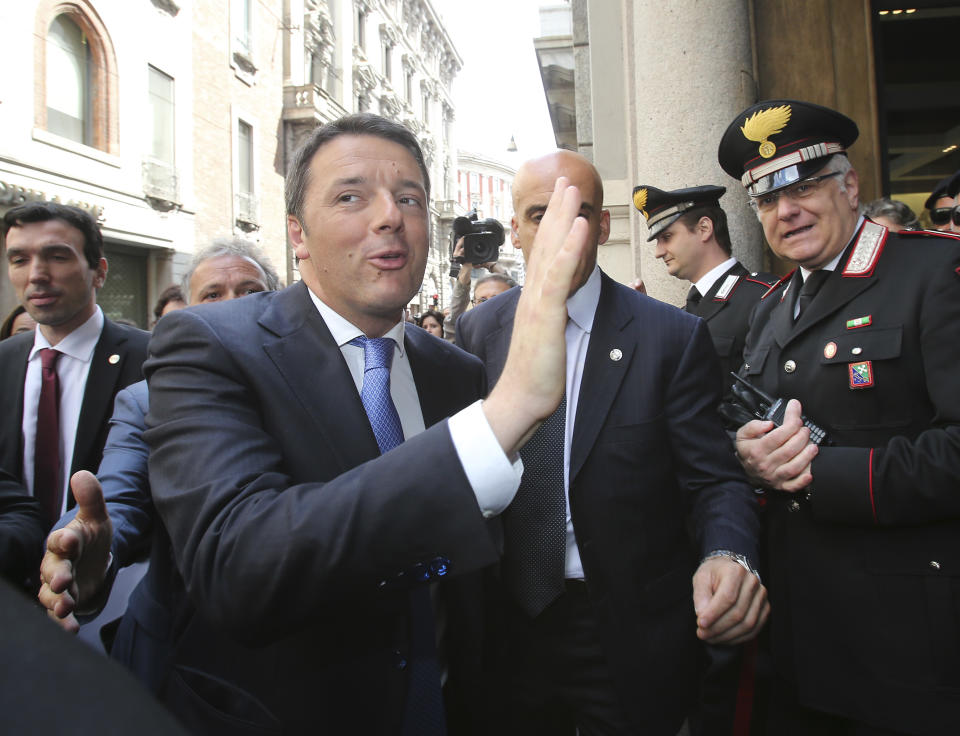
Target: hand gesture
(74,566)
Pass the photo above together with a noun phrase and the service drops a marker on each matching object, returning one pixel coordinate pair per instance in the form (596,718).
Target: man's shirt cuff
(493,477)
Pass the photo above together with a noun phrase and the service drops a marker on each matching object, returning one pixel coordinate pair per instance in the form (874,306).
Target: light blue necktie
(375,394)
(424,713)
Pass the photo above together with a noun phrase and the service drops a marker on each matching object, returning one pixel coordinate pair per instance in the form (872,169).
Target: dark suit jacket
(22,531)
(279,580)
(653,486)
(863,578)
(37,656)
(105,379)
(728,316)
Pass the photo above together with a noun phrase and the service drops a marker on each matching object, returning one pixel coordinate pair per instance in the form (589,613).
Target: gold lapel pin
(615,354)
(113,359)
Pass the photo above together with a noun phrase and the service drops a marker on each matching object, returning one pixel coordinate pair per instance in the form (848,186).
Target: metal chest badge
(763,124)
(861,374)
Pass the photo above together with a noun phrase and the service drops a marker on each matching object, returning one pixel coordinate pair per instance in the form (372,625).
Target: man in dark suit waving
(304,472)
(62,378)
(601,616)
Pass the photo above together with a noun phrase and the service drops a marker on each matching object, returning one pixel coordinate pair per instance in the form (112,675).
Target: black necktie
(693,300)
(424,707)
(809,290)
(535,524)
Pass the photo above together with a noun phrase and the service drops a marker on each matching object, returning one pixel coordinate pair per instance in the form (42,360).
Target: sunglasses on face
(943,215)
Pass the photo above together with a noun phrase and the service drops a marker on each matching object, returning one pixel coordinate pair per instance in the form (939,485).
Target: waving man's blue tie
(424,711)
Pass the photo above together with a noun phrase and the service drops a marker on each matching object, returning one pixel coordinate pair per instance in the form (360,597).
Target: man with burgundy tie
(68,371)
(633,532)
(863,341)
(308,481)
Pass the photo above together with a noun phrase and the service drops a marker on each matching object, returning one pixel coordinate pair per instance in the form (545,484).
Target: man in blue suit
(648,495)
(295,549)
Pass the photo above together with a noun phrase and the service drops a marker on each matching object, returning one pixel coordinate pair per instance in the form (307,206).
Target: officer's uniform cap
(661,209)
(948,186)
(775,143)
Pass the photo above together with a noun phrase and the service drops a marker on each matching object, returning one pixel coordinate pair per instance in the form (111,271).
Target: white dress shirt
(73,367)
(582,308)
(706,282)
(493,478)
(831,266)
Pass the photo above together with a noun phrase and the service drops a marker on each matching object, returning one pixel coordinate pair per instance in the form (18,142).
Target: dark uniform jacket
(726,309)
(864,571)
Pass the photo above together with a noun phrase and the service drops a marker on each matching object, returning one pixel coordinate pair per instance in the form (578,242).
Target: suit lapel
(708,308)
(428,365)
(14,375)
(497,342)
(781,317)
(836,291)
(602,374)
(306,355)
(106,367)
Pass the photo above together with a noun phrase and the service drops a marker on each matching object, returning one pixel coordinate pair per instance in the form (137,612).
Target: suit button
(790,366)
(934,564)
(439,567)
(793,507)
(399,661)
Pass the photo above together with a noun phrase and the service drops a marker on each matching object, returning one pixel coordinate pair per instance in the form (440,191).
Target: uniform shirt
(831,266)
(493,478)
(705,282)
(73,367)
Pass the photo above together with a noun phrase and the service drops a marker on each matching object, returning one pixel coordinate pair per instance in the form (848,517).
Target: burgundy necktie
(47,479)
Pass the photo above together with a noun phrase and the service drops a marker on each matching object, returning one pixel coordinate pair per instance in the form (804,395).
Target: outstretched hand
(74,566)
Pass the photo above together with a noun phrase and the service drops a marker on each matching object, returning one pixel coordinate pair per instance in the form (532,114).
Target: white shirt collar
(706,282)
(832,265)
(79,344)
(582,306)
(344,331)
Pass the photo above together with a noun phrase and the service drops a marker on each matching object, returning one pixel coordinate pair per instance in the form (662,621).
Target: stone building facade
(646,90)
(172,121)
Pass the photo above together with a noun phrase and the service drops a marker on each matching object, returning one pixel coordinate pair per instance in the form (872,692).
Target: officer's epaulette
(928,233)
(777,285)
(755,278)
(866,251)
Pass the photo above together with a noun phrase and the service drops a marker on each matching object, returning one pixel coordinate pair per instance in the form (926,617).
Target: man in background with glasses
(942,203)
(863,339)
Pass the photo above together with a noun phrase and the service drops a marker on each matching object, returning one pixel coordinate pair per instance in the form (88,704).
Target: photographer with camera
(474,243)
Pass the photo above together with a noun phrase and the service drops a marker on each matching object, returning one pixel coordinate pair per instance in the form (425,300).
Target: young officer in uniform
(692,239)
(864,339)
